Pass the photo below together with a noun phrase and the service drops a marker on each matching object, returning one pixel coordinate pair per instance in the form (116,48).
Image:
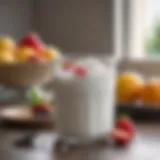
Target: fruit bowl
(27,62)
(26,74)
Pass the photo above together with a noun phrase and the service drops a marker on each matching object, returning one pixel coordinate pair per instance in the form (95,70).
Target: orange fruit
(150,93)
(49,53)
(128,87)
(6,57)
(23,53)
(7,44)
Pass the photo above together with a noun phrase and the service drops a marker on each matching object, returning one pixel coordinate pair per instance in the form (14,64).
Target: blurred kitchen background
(75,26)
(87,27)
(99,27)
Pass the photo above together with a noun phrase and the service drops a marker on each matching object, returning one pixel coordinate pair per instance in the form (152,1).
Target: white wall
(77,26)
(16,17)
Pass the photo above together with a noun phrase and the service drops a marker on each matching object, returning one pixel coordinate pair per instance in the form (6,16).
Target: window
(139,20)
(141,28)
(152,27)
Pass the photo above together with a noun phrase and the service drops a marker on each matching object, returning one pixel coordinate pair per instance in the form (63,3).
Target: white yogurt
(86,104)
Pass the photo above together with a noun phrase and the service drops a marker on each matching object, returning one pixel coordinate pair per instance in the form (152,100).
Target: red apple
(31,40)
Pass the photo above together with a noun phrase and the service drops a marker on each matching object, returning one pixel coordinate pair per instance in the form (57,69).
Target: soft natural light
(152,12)
(152,27)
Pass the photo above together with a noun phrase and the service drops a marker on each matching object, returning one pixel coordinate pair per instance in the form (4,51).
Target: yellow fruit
(6,57)
(150,93)
(7,44)
(128,87)
(22,54)
(49,53)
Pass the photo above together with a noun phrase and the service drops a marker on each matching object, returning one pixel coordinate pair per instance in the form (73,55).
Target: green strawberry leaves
(124,115)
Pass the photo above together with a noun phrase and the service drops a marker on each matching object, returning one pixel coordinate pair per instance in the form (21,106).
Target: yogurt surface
(85,104)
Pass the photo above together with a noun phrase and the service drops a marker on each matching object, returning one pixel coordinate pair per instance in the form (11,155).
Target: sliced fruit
(121,136)
(31,40)
(126,124)
(23,53)
(80,70)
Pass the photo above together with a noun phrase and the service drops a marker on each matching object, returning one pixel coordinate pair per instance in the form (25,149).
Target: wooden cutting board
(22,115)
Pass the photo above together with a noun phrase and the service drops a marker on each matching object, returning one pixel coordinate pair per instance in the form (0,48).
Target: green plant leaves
(34,97)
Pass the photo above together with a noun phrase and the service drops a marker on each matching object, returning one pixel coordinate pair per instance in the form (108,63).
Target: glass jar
(85,109)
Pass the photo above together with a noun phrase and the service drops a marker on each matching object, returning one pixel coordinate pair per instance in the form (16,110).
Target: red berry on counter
(126,124)
(120,136)
(80,70)
(40,108)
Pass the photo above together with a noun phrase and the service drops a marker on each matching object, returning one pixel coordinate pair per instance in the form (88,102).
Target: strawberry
(40,108)
(80,70)
(126,124)
(32,41)
(36,102)
(121,137)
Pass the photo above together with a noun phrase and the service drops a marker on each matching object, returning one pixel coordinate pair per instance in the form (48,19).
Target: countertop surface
(146,146)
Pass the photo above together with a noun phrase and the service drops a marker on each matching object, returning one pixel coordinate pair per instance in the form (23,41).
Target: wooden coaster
(22,115)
